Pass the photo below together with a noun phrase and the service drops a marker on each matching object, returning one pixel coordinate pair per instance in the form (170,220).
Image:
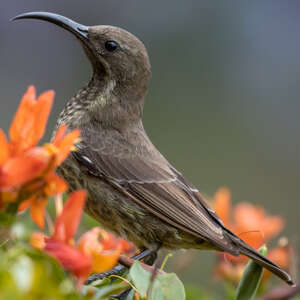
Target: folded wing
(159,188)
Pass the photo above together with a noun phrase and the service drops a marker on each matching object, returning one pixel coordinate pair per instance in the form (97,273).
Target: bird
(133,190)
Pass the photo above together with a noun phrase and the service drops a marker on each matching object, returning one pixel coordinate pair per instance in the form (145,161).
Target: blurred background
(223,104)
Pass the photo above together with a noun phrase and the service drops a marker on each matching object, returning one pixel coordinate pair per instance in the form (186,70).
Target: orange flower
(17,162)
(37,240)
(248,221)
(27,171)
(30,120)
(68,221)
(20,170)
(63,143)
(18,165)
(52,184)
(229,271)
(90,255)
(222,204)
(46,186)
(106,251)
(60,244)
(4,148)
(248,217)
(71,259)
(103,259)
(110,241)
(252,224)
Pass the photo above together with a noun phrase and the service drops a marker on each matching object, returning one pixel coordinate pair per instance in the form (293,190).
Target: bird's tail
(261,260)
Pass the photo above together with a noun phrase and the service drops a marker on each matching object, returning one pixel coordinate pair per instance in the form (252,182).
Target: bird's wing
(157,187)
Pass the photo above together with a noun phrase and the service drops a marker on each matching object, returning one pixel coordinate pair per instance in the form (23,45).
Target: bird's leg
(149,260)
(120,268)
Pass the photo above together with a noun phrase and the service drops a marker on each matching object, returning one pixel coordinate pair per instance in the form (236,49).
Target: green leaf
(140,278)
(156,293)
(167,287)
(164,286)
(130,295)
(101,282)
(6,219)
(106,291)
(249,283)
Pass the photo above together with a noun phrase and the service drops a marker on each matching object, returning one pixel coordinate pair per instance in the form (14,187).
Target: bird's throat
(99,101)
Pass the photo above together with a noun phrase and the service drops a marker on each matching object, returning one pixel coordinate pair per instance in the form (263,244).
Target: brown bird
(132,189)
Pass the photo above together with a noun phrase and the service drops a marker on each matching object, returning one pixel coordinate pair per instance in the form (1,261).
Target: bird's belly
(124,217)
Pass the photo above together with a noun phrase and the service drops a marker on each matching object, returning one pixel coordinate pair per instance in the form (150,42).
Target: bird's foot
(151,258)
(117,270)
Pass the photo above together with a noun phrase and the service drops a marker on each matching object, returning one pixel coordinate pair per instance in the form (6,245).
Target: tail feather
(261,260)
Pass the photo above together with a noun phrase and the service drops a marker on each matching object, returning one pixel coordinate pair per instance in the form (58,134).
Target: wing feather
(160,189)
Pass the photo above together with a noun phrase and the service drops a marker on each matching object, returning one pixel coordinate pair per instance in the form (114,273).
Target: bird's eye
(111,46)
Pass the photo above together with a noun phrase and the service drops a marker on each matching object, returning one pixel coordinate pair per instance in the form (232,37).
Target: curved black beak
(80,31)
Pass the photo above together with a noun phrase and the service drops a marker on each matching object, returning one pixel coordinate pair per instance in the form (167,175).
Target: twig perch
(128,262)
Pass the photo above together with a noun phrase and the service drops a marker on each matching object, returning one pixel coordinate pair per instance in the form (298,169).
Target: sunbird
(133,190)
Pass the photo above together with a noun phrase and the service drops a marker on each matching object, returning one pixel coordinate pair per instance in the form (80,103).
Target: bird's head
(117,56)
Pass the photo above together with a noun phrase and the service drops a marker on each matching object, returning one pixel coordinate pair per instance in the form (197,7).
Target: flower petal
(42,111)
(67,222)
(109,241)
(222,205)
(9,196)
(65,144)
(37,210)
(38,240)
(89,241)
(70,258)
(272,226)
(229,271)
(253,222)
(55,184)
(4,149)
(19,170)
(24,205)
(21,120)
(59,135)
(105,260)
(30,120)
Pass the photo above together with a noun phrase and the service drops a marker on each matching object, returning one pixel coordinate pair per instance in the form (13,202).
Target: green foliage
(6,219)
(167,287)
(26,273)
(106,291)
(140,278)
(29,274)
(158,287)
(249,283)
